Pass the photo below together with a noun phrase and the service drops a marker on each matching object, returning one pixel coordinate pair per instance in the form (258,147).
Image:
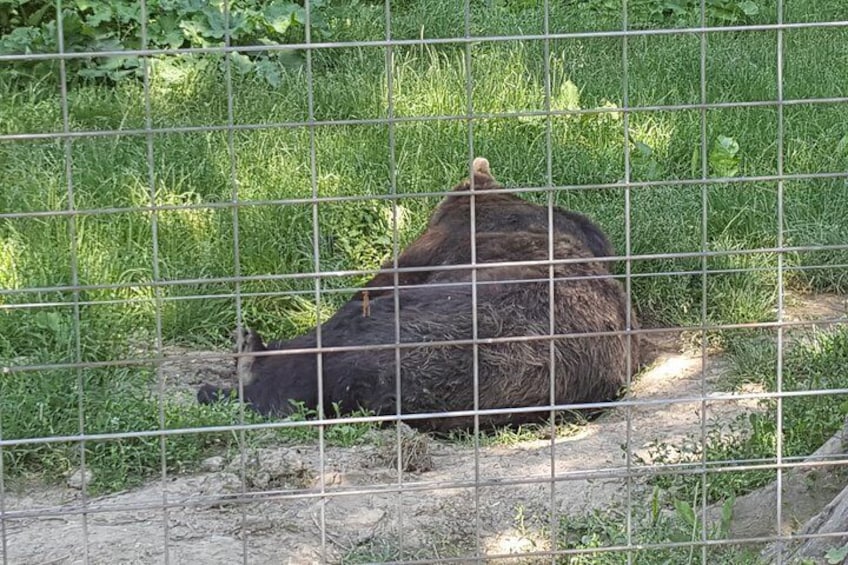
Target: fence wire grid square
(740,330)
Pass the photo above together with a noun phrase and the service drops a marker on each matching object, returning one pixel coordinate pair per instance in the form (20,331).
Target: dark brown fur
(440,378)
(449,228)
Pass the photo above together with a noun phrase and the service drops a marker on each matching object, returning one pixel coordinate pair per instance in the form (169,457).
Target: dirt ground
(280,515)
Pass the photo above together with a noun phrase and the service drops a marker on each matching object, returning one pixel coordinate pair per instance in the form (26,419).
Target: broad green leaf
(268,71)
(726,516)
(290,58)
(280,15)
(195,32)
(837,555)
(126,11)
(749,8)
(102,14)
(644,149)
(568,97)
(37,17)
(241,63)
(723,156)
(215,21)
(299,15)
(20,40)
(165,30)
(684,510)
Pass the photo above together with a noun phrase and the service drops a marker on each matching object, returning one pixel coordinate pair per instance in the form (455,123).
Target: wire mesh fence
(468,370)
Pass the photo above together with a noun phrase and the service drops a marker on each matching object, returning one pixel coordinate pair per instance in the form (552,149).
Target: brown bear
(436,320)
(449,228)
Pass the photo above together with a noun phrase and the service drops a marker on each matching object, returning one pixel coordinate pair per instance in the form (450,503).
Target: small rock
(230,482)
(273,468)
(331,479)
(77,479)
(212,464)
(359,527)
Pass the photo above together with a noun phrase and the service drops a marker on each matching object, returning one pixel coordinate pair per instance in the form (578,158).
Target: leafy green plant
(723,157)
(662,519)
(727,443)
(648,13)
(31,26)
(342,434)
(836,555)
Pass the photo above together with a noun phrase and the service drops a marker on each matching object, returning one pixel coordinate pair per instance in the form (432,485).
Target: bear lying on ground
(513,301)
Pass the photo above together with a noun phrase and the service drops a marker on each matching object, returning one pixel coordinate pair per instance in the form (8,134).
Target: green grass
(48,403)
(196,168)
(820,364)
(652,531)
(60,403)
(512,436)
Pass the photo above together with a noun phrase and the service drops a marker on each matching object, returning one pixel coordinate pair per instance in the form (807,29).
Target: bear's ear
(480,166)
(483,178)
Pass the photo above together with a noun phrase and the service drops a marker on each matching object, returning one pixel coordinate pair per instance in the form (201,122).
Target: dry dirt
(278,516)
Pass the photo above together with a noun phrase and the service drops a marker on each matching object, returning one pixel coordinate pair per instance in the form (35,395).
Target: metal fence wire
(649,480)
